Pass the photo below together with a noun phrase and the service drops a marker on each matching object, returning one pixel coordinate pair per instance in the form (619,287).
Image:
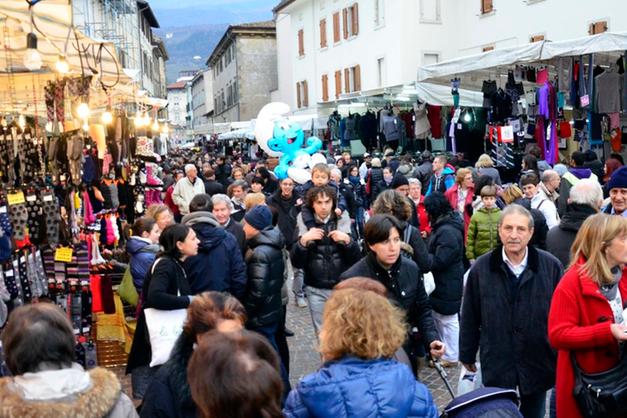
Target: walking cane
(443,375)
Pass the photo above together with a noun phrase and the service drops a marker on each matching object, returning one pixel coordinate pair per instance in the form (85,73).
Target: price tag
(16,198)
(3,209)
(31,198)
(585,100)
(63,255)
(48,198)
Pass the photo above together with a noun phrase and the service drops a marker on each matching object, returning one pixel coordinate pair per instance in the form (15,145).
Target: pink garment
(88,211)
(107,160)
(542,76)
(152,196)
(110,234)
(614,120)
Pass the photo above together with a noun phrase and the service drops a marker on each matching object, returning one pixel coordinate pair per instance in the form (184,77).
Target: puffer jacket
(446,250)
(219,264)
(286,212)
(405,288)
(356,388)
(264,259)
(483,234)
(560,238)
(325,260)
(142,255)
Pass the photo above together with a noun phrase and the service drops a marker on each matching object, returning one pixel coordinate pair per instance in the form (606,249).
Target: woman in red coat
(461,195)
(586,315)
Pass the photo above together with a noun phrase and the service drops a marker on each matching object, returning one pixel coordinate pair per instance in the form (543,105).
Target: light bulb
(467,117)
(62,65)
(85,127)
(32,58)
(107,117)
(138,120)
(82,111)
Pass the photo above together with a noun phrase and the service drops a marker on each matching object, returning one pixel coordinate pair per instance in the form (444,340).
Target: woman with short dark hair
(165,288)
(400,276)
(38,343)
(235,375)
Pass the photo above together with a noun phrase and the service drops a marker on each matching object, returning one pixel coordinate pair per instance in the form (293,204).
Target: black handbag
(603,394)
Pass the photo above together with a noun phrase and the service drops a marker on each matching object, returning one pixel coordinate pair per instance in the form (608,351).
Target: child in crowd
(320,176)
(483,233)
(256,185)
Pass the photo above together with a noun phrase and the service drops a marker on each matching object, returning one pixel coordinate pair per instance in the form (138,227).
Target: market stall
(558,95)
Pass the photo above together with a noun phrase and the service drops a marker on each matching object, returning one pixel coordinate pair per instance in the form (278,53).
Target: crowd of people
(529,282)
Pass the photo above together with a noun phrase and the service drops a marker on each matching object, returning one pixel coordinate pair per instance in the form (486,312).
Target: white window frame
(438,12)
(437,54)
(379,13)
(381,71)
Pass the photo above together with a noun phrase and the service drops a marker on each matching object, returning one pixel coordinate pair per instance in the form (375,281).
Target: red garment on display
(434,114)
(96,293)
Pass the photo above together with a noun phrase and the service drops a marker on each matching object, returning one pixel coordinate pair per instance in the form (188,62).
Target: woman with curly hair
(361,331)
(169,395)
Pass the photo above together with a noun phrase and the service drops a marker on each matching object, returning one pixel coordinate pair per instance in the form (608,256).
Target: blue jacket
(219,265)
(142,256)
(443,182)
(355,388)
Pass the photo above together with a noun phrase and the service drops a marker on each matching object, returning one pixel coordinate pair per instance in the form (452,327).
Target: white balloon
(264,125)
(317,158)
(299,175)
(302,161)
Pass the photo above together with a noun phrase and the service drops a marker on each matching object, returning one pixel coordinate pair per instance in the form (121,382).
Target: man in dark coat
(586,198)
(222,207)
(223,171)
(219,265)
(325,251)
(617,187)
(211,185)
(505,313)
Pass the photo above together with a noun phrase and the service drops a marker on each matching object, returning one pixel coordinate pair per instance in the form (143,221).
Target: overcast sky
(211,11)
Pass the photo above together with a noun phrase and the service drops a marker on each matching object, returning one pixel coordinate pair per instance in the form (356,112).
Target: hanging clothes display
(422,126)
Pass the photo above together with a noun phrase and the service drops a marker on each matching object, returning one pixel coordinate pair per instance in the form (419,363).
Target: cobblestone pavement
(304,358)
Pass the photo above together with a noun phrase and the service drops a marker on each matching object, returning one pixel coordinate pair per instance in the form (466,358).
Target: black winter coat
(169,395)
(265,278)
(404,287)
(376,175)
(508,323)
(219,265)
(421,254)
(560,238)
(325,260)
(166,289)
(237,230)
(286,212)
(379,187)
(446,252)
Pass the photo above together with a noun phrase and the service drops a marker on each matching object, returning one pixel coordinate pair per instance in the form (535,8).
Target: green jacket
(483,233)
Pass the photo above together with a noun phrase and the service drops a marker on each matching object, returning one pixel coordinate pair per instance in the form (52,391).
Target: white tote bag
(164,327)
(429,282)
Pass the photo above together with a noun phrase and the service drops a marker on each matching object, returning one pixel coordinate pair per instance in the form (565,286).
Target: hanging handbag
(127,290)
(164,328)
(603,394)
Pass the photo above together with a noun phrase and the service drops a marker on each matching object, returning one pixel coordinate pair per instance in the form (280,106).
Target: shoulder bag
(603,394)
(164,327)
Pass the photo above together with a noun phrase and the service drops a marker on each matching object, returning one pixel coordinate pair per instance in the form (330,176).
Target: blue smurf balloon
(288,138)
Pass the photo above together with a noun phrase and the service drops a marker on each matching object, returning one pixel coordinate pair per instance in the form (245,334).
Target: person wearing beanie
(618,193)
(400,183)
(265,268)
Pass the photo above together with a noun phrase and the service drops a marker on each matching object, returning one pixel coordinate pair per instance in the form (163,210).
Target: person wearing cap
(400,183)
(375,175)
(365,166)
(618,193)
(265,268)
(186,188)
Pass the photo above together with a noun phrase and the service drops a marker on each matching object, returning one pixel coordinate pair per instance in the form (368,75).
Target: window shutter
(298,104)
(305,94)
(357,78)
(336,27)
(345,22)
(537,38)
(488,48)
(325,88)
(301,43)
(486,6)
(355,12)
(598,27)
(323,33)
(338,84)
(347,80)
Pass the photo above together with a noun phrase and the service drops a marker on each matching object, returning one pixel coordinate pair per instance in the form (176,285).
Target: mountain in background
(192,28)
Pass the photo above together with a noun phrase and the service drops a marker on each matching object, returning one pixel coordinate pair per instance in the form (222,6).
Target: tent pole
(590,95)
